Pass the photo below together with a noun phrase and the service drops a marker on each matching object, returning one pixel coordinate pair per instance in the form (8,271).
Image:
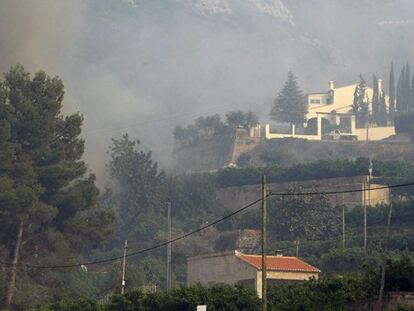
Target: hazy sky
(144,66)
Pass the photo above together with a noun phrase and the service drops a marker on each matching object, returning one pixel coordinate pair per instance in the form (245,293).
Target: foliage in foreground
(48,201)
(218,297)
(328,293)
(331,293)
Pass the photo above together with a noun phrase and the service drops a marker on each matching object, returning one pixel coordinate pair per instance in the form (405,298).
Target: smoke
(145,66)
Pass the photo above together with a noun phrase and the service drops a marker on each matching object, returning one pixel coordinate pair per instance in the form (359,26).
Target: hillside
(287,152)
(244,151)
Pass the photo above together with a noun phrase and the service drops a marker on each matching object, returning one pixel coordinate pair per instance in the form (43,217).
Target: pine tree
(391,90)
(289,105)
(47,204)
(360,104)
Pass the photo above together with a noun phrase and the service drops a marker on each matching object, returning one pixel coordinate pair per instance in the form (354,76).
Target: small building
(236,267)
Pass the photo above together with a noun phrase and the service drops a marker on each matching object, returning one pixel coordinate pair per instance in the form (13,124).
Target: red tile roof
(278,263)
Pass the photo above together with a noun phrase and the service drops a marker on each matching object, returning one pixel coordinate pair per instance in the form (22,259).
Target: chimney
(279,253)
(380,85)
(331,85)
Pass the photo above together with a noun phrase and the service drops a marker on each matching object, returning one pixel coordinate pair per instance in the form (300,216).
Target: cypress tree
(382,110)
(412,93)
(401,103)
(360,104)
(407,88)
(391,90)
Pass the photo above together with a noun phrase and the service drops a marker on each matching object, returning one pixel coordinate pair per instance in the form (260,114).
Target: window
(315,101)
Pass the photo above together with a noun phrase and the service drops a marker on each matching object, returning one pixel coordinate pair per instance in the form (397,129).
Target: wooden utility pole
(368,181)
(169,247)
(365,216)
(297,248)
(124,267)
(264,245)
(343,222)
(370,169)
(343,226)
(384,262)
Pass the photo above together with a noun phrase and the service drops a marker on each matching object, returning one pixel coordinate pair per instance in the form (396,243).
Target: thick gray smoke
(144,66)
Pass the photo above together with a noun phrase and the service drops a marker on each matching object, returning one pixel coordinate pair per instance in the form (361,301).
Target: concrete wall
(283,275)
(243,142)
(236,197)
(374,133)
(269,135)
(218,268)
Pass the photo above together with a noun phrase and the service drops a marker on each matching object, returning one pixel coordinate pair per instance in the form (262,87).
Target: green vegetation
(218,298)
(303,217)
(213,128)
(386,172)
(360,104)
(379,108)
(49,213)
(321,169)
(391,91)
(404,123)
(404,102)
(289,105)
(345,292)
(240,119)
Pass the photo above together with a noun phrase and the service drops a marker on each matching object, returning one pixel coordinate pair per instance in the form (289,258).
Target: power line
(271,193)
(314,108)
(335,239)
(145,249)
(183,236)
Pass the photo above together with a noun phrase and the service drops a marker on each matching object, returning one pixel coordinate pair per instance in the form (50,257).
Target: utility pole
(169,247)
(365,201)
(365,216)
(297,248)
(264,245)
(370,169)
(384,262)
(343,221)
(124,267)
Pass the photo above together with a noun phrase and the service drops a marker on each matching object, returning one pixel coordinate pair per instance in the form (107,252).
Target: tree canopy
(240,119)
(48,208)
(360,104)
(289,105)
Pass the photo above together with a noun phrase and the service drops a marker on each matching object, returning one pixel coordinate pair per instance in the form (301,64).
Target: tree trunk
(11,284)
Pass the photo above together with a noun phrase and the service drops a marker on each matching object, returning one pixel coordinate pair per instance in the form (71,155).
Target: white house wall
(343,100)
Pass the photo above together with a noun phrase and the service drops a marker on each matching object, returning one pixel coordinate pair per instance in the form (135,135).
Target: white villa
(333,108)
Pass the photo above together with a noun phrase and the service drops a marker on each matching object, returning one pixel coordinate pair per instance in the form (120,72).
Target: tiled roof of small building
(278,263)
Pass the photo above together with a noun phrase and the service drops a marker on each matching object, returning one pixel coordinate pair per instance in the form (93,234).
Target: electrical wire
(271,193)
(183,236)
